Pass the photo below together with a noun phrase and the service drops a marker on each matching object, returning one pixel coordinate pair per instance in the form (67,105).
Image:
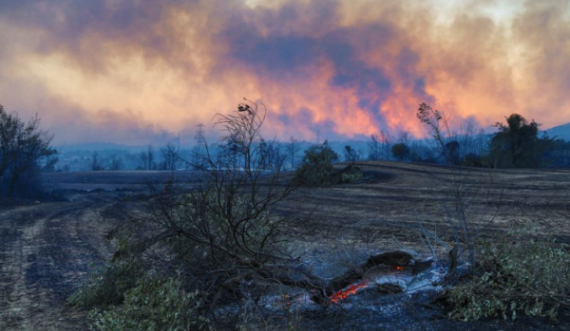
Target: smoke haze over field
(136,71)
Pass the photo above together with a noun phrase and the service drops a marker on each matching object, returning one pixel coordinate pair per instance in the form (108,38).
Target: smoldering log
(393,259)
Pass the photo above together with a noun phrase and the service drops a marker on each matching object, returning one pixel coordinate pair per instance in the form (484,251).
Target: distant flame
(399,268)
(343,294)
(286,300)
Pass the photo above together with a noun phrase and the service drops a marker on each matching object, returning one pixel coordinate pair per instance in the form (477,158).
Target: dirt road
(45,253)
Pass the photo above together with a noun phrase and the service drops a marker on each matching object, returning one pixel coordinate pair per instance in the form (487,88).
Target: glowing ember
(400,268)
(286,300)
(343,294)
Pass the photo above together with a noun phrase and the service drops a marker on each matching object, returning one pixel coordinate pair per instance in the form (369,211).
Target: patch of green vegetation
(108,284)
(515,277)
(316,168)
(153,305)
(351,177)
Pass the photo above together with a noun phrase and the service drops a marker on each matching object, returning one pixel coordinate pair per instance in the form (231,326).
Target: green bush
(153,305)
(346,178)
(514,277)
(316,168)
(350,174)
(207,259)
(400,151)
(107,284)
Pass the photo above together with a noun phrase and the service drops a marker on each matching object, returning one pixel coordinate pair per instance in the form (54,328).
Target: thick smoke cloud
(137,71)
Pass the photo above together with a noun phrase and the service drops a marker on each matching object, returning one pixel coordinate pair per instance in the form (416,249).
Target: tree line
(518,143)
(25,150)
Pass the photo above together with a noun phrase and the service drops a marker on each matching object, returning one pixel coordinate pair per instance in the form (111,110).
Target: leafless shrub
(465,227)
(509,276)
(220,238)
(170,155)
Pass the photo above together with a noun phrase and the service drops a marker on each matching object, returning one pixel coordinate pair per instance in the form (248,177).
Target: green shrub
(400,151)
(196,244)
(316,168)
(107,284)
(350,174)
(153,305)
(350,178)
(514,277)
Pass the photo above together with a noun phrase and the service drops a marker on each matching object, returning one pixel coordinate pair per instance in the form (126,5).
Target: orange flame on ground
(399,268)
(343,294)
(286,300)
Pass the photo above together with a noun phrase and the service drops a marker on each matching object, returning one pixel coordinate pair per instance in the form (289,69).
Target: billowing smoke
(137,71)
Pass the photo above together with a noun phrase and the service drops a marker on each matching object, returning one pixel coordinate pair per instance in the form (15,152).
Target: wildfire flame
(352,289)
(343,294)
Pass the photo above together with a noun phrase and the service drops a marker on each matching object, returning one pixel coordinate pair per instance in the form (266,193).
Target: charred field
(47,248)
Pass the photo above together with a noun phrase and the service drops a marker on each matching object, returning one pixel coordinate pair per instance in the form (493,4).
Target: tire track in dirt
(45,252)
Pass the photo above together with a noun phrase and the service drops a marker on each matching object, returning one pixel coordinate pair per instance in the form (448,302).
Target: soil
(46,252)
(48,248)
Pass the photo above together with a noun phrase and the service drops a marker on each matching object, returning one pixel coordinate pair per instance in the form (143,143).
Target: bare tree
(170,155)
(143,160)
(386,144)
(222,238)
(351,154)
(438,127)
(95,164)
(150,157)
(380,146)
(229,217)
(223,232)
(146,158)
(115,163)
(270,155)
(465,230)
(374,148)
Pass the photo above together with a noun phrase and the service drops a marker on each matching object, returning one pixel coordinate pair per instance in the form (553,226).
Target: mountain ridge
(560,132)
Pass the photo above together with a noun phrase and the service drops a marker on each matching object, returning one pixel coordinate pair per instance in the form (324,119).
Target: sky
(144,71)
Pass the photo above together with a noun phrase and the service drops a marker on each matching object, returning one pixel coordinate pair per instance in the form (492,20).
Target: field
(48,247)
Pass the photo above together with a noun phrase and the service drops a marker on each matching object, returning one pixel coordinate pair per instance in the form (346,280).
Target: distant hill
(560,132)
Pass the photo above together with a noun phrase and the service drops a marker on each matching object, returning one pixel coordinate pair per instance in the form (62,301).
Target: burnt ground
(46,252)
(47,249)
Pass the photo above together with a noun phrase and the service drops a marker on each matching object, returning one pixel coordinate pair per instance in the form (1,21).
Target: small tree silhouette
(22,146)
(517,144)
(400,151)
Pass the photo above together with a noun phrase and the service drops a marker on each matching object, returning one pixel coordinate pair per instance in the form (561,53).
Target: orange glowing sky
(133,71)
